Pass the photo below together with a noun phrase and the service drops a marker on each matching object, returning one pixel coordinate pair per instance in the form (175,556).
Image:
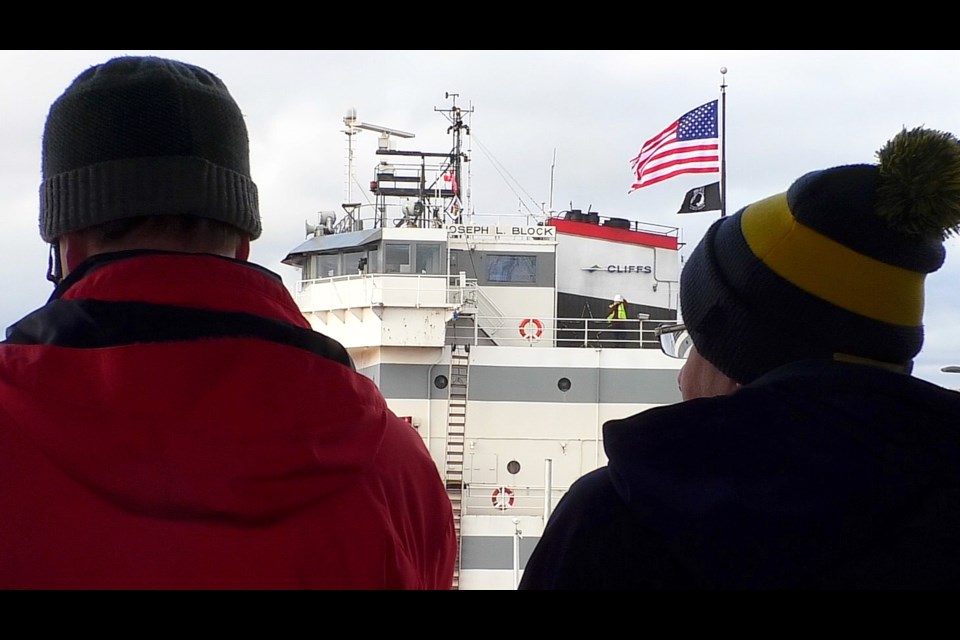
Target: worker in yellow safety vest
(617,317)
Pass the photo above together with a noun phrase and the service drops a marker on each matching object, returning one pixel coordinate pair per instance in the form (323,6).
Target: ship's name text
(487,230)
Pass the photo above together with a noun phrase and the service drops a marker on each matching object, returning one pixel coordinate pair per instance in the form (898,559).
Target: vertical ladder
(456,426)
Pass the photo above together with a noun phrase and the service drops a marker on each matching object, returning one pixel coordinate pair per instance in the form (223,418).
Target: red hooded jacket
(170,421)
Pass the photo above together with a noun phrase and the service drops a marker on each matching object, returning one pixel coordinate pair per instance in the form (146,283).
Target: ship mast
(457,156)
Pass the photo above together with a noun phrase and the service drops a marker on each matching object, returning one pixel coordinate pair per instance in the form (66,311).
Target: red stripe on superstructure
(613,233)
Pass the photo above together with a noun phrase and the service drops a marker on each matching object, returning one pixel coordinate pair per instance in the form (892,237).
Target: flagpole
(723,142)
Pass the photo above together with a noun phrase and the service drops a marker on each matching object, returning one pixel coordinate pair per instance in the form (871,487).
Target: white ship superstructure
(488,334)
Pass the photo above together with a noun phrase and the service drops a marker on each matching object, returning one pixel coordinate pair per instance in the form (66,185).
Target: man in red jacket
(153,433)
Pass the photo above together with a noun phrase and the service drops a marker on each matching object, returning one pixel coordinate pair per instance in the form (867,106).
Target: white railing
(391,214)
(560,332)
(362,290)
(484,499)
(481,319)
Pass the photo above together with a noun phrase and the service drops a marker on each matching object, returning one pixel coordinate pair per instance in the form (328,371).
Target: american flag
(688,145)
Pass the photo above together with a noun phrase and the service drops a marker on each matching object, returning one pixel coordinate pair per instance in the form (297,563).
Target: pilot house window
(323,266)
(511,268)
(396,258)
(429,258)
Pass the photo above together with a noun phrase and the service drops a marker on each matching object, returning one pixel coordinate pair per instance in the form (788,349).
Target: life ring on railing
(502,498)
(531,328)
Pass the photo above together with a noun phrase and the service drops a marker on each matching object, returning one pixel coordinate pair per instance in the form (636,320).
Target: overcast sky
(547,128)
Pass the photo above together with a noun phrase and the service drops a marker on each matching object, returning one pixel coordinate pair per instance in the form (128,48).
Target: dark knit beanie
(139,136)
(833,268)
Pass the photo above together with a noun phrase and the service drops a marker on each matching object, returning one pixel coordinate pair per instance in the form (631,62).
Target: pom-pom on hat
(834,267)
(140,136)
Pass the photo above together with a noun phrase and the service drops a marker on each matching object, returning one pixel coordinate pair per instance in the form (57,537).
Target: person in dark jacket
(804,454)
(169,420)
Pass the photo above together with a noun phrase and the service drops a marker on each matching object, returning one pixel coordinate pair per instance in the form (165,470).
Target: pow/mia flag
(705,198)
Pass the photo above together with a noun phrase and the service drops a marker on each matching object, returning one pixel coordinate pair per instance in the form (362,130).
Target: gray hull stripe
(493,552)
(531,384)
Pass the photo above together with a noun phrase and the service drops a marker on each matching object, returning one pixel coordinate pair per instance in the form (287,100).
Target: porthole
(440,382)
(513,467)
(563,384)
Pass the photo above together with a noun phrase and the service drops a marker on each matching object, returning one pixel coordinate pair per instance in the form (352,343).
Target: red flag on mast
(451,179)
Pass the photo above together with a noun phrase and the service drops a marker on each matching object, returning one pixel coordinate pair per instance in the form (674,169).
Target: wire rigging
(508,178)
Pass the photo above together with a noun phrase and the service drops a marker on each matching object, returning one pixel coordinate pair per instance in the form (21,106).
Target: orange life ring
(531,328)
(502,497)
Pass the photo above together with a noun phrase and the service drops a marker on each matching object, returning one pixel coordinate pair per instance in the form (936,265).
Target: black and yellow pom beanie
(140,136)
(834,267)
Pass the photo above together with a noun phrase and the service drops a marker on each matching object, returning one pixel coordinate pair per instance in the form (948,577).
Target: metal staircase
(486,314)
(456,426)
